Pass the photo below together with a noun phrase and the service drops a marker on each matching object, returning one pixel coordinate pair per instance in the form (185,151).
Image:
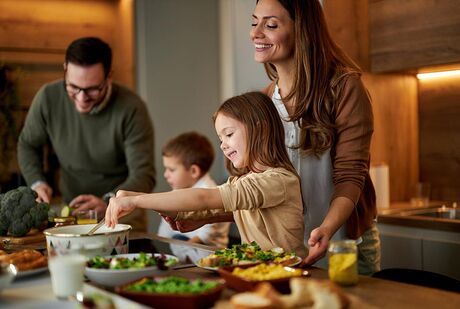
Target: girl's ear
(195,171)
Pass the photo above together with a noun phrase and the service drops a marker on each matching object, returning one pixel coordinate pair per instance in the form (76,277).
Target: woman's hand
(318,242)
(119,206)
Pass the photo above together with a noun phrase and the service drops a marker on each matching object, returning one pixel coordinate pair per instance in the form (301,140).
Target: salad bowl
(124,268)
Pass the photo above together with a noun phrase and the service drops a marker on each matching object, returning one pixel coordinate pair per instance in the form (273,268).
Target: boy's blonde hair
(191,148)
(265,131)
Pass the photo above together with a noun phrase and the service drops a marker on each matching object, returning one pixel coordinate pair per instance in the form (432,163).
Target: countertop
(395,215)
(36,292)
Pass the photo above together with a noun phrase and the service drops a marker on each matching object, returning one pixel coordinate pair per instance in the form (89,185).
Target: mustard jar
(343,262)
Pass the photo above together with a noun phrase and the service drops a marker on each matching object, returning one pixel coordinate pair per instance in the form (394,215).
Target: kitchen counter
(35,292)
(396,214)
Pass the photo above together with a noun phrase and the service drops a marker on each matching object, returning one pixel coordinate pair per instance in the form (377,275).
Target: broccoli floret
(19,212)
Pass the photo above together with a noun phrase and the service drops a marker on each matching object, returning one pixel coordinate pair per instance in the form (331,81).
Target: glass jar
(343,262)
(61,221)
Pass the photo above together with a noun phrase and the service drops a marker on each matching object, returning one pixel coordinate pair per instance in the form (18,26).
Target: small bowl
(67,239)
(241,284)
(7,274)
(169,300)
(117,277)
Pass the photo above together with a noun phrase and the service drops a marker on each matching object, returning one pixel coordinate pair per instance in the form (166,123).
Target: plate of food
(31,272)
(247,254)
(246,278)
(173,292)
(119,269)
(28,262)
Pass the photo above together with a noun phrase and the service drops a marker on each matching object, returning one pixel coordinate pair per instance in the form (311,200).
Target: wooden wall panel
(411,34)
(395,140)
(348,24)
(394,97)
(34,35)
(51,24)
(439,101)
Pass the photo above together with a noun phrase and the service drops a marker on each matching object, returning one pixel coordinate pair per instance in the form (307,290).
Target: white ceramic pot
(67,239)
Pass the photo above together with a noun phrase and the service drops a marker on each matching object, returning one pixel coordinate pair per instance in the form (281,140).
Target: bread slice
(250,300)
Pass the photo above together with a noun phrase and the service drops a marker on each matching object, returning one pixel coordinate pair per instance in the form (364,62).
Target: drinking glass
(67,274)
(421,194)
(87,216)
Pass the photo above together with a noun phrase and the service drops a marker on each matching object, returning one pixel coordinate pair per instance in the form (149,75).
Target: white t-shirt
(315,174)
(215,234)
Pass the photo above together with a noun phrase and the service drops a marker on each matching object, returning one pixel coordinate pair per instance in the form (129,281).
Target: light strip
(438,74)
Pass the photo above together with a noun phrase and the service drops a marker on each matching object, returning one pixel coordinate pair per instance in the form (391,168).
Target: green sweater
(98,153)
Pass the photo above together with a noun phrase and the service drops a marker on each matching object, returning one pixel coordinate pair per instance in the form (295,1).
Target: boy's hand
(119,206)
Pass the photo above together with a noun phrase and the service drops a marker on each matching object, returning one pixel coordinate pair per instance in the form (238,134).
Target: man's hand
(44,192)
(88,201)
(318,241)
(119,206)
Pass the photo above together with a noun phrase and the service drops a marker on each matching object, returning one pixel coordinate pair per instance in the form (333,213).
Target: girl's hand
(183,226)
(318,241)
(119,206)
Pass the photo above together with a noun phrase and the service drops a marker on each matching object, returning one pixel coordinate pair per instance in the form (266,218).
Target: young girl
(264,191)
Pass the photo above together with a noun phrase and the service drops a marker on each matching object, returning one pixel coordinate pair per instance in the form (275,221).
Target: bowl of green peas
(173,292)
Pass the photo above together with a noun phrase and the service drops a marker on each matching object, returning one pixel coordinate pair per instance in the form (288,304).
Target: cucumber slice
(66,211)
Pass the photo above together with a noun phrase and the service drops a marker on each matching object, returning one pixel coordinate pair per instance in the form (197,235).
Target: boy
(187,159)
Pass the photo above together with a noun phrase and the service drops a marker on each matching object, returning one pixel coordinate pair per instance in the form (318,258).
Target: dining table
(35,292)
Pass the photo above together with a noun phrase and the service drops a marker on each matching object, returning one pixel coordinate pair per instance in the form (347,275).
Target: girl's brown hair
(320,68)
(264,131)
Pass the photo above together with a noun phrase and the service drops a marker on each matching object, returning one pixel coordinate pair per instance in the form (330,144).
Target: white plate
(116,277)
(296,261)
(31,272)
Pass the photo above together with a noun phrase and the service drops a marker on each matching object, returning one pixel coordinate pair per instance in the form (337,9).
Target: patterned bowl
(70,238)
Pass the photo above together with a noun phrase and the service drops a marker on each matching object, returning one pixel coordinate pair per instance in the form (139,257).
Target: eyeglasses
(93,91)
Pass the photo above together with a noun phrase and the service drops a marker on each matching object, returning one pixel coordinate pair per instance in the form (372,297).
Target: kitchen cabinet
(419,248)
(410,34)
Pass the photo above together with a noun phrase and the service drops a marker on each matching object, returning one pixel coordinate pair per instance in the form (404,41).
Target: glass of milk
(67,274)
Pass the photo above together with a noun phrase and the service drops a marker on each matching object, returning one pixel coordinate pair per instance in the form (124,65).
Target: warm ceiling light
(438,74)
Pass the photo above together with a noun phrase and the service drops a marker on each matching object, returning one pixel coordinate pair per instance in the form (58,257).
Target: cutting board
(33,237)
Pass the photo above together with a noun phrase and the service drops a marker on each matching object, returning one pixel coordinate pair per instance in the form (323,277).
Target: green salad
(172,285)
(143,260)
(247,252)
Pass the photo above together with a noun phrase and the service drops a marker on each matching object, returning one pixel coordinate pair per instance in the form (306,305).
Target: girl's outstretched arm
(190,199)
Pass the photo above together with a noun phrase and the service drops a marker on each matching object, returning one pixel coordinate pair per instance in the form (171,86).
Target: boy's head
(186,158)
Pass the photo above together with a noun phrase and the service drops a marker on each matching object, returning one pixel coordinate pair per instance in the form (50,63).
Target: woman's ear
(195,171)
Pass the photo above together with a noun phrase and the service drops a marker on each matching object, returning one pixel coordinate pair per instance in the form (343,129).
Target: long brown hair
(264,131)
(320,69)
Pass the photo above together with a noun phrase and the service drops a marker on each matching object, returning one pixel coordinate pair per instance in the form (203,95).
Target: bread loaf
(305,293)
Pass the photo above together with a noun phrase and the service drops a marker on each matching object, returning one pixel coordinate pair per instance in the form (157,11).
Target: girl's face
(233,137)
(272,33)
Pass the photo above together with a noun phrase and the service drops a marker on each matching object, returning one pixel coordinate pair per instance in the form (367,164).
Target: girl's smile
(232,135)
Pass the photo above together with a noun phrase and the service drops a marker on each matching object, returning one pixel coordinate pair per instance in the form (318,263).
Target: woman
(328,122)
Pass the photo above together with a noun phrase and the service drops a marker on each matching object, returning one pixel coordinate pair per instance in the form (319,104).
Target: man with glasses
(100,131)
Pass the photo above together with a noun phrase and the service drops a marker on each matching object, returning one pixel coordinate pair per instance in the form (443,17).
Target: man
(100,131)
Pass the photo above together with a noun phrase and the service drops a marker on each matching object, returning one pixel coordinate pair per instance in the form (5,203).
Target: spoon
(96,227)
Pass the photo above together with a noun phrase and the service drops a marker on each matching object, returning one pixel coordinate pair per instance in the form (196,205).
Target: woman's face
(272,33)
(232,135)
